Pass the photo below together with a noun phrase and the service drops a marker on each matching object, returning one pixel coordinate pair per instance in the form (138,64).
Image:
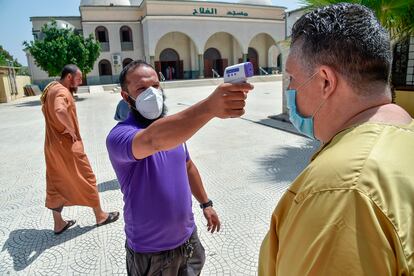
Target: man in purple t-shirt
(156,174)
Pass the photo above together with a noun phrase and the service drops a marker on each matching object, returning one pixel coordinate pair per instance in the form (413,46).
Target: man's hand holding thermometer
(229,98)
(238,73)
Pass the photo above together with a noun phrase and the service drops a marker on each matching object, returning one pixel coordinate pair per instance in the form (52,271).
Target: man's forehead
(142,74)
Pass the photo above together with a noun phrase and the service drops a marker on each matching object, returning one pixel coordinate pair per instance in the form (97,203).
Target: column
(201,66)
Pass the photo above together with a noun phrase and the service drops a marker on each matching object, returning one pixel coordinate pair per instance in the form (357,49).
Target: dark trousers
(187,259)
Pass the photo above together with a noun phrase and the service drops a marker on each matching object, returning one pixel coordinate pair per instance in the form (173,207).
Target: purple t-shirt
(158,208)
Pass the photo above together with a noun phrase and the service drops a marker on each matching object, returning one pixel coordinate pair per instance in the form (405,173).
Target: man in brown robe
(69,176)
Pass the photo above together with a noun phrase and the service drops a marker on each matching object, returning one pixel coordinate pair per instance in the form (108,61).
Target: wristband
(207,204)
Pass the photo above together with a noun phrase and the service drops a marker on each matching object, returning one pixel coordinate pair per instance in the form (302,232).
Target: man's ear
(330,80)
(125,96)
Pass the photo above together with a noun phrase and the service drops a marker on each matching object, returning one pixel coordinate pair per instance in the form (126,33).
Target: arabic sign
(233,13)
(204,11)
(213,11)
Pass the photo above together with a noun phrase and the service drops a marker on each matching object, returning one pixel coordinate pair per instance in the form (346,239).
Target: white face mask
(150,103)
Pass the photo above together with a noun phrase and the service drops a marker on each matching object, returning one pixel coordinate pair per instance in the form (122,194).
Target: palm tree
(397,16)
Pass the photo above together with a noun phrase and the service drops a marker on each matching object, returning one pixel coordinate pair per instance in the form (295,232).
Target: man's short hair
(68,69)
(347,37)
(131,67)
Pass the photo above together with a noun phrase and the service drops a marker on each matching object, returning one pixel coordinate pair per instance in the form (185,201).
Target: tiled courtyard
(245,164)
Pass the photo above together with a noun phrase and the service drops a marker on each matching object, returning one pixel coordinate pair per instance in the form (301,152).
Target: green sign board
(213,11)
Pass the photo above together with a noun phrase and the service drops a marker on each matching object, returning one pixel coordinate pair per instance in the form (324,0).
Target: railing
(127,46)
(215,74)
(263,71)
(99,80)
(162,78)
(104,46)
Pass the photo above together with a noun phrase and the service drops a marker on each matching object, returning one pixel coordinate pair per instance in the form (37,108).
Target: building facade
(181,39)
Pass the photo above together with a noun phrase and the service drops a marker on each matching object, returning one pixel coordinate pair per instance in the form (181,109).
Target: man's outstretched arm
(227,101)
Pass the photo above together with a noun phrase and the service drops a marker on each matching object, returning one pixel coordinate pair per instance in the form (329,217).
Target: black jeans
(187,259)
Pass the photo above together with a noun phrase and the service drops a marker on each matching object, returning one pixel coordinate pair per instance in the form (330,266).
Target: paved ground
(245,165)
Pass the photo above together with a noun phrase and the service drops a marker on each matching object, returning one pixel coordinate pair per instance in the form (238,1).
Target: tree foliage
(6,59)
(397,16)
(60,46)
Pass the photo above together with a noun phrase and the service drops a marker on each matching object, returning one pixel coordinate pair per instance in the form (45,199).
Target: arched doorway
(176,51)
(220,50)
(212,60)
(253,57)
(170,64)
(126,61)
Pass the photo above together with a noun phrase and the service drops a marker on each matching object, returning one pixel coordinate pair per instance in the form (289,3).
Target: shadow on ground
(38,103)
(285,164)
(29,104)
(26,245)
(108,186)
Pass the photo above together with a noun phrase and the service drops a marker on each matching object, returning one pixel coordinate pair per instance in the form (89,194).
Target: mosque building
(181,39)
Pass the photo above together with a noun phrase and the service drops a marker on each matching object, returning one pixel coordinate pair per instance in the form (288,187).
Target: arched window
(101,34)
(105,68)
(126,61)
(125,34)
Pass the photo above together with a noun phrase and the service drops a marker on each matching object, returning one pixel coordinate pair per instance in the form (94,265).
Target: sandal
(69,224)
(112,217)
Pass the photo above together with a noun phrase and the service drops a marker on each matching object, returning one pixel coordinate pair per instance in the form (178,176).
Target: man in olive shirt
(350,212)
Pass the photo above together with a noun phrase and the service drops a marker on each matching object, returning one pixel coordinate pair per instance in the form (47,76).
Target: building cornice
(211,18)
(185,2)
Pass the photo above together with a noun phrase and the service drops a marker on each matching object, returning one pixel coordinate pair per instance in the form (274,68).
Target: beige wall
(405,99)
(221,9)
(223,42)
(262,43)
(5,90)
(200,29)
(153,20)
(180,43)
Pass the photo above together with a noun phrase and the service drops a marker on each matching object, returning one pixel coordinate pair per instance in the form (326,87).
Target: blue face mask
(304,125)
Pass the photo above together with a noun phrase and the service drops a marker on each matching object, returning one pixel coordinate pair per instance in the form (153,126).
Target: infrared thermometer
(238,73)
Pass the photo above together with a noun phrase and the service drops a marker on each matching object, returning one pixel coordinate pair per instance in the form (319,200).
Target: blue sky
(15,25)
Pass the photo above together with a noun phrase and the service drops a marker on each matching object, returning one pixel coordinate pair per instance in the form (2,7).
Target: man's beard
(141,120)
(73,90)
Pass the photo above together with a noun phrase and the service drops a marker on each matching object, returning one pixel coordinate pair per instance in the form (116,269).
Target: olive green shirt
(351,211)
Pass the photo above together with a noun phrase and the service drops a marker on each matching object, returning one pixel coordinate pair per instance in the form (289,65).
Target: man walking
(69,176)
